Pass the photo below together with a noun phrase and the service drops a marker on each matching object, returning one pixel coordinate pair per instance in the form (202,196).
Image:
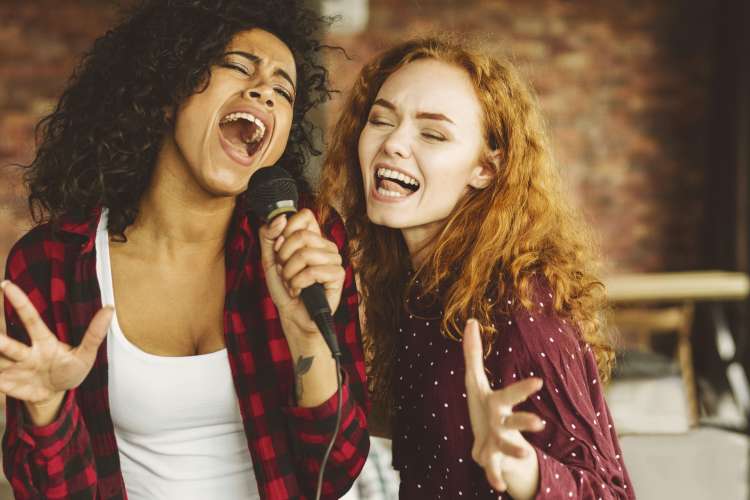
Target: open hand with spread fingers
(509,461)
(41,373)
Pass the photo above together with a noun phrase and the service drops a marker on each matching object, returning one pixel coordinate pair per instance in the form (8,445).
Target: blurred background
(648,108)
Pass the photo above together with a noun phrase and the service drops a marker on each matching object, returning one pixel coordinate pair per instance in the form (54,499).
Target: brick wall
(625,88)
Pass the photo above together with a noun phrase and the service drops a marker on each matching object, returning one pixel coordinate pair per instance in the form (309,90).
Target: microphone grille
(272,190)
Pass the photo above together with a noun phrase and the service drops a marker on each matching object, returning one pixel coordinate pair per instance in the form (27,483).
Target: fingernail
(3,284)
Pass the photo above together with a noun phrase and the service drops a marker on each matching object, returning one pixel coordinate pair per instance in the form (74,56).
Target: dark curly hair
(99,146)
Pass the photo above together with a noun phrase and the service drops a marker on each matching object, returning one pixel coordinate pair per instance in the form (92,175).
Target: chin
(384,220)
(221,188)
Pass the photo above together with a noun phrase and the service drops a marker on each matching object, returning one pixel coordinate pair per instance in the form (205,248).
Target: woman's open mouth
(393,184)
(242,135)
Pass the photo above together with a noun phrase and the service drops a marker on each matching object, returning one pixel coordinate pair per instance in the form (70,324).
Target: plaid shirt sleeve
(313,427)
(56,460)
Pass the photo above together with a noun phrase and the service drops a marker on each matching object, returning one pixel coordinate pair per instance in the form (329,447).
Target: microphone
(272,192)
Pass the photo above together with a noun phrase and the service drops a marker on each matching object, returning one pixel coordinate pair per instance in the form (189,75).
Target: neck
(175,216)
(420,240)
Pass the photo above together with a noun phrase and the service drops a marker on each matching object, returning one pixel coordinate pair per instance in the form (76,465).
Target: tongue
(239,132)
(394,186)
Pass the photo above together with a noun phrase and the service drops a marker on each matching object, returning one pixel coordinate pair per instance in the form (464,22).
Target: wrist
(54,399)
(523,477)
(306,338)
(45,412)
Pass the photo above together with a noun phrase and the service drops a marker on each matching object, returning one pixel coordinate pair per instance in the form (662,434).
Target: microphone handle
(314,298)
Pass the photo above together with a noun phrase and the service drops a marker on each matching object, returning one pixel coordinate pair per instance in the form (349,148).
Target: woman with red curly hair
(483,317)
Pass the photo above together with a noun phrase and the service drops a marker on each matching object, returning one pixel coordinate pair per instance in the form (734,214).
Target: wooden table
(652,303)
(678,286)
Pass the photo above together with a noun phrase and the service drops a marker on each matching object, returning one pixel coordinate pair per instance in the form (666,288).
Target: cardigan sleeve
(578,451)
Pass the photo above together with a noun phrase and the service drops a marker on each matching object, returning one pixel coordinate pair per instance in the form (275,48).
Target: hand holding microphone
(303,269)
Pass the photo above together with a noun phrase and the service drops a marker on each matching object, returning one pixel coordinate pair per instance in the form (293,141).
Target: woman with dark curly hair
(213,382)
(440,166)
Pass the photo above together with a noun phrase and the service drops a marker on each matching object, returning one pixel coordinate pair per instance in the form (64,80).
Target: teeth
(247,116)
(391,194)
(387,173)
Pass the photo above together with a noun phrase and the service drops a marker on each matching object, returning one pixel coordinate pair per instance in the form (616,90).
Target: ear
(170,112)
(484,173)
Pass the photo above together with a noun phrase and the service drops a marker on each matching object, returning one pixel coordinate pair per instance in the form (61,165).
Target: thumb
(94,335)
(473,358)
(269,233)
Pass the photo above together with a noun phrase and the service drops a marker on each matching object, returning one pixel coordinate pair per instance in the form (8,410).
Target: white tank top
(177,422)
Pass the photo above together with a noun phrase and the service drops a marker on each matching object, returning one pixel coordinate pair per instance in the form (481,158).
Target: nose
(397,143)
(263,94)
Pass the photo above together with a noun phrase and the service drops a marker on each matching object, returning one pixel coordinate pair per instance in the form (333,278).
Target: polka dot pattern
(432,435)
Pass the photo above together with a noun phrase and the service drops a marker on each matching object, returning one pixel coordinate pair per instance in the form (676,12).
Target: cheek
(193,120)
(446,172)
(366,147)
(283,129)
(187,135)
(361,154)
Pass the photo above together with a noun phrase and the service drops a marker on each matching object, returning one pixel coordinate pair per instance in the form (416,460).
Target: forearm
(313,426)
(315,378)
(313,431)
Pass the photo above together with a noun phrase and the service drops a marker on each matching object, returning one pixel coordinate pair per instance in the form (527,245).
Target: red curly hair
(500,240)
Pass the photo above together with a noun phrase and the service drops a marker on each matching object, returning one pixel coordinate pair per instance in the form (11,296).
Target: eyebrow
(420,114)
(257,60)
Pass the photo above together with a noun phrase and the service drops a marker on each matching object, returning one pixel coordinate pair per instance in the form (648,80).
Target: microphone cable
(339,405)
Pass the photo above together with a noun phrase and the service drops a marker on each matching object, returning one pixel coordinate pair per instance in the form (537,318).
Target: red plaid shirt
(76,456)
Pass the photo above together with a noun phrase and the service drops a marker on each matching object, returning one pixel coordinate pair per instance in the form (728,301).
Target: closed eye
(247,72)
(285,94)
(237,67)
(433,136)
(377,122)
